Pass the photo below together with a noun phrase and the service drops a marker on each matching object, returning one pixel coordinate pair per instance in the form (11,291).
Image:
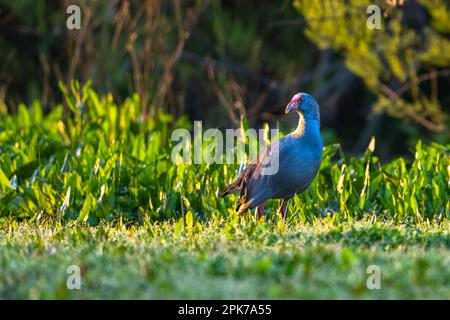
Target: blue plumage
(299,155)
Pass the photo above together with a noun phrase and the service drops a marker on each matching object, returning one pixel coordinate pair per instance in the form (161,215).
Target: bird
(296,156)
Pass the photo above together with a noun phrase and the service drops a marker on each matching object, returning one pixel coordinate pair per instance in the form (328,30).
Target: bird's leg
(282,209)
(260,210)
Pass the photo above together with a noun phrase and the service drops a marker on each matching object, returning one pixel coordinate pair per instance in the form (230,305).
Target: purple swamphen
(297,157)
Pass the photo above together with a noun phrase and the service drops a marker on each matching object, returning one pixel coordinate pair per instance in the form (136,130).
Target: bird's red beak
(292,106)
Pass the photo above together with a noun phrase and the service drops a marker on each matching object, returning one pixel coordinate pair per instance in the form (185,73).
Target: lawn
(93,185)
(237,258)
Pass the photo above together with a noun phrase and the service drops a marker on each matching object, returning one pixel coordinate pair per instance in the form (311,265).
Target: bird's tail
(225,191)
(231,188)
(239,185)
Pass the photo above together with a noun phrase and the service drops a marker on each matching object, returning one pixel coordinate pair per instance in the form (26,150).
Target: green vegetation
(391,60)
(104,161)
(95,186)
(87,179)
(216,61)
(225,258)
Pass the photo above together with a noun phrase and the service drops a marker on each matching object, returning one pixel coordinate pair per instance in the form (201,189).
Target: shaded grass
(323,260)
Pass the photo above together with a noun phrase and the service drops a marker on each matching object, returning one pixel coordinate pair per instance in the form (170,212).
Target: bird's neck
(306,126)
(300,131)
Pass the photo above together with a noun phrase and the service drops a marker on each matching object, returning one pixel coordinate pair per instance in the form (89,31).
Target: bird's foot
(259,210)
(282,209)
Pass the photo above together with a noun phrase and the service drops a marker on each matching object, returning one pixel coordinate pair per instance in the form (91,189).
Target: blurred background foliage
(218,60)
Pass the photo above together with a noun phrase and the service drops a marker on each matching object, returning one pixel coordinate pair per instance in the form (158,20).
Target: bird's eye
(302,99)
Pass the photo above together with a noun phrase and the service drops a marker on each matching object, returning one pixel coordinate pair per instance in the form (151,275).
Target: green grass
(256,260)
(96,187)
